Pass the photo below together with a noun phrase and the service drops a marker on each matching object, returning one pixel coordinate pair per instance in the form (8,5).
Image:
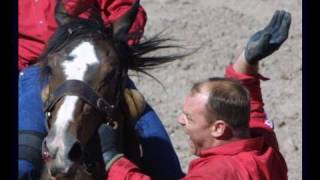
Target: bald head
(227,100)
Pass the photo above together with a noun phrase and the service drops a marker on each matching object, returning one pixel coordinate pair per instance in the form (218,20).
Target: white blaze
(84,55)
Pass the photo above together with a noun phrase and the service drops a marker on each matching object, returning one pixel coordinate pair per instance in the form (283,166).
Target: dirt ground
(222,29)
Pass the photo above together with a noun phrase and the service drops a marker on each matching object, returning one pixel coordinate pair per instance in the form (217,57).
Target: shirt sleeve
(259,123)
(114,9)
(124,169)
(111,10)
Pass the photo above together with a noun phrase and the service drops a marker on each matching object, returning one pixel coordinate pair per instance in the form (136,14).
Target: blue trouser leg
(31,123)
(159,157)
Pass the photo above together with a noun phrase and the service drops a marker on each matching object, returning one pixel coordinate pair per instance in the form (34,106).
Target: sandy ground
(222,28)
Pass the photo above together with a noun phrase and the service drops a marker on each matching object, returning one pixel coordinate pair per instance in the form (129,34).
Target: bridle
(85,93)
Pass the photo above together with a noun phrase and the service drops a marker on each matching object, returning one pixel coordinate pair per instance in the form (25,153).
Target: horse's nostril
(75,152)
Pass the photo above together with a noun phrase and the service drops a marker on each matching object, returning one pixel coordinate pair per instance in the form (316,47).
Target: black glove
(265,42)
(108,145)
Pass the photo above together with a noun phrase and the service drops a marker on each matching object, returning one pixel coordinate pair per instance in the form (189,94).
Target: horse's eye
(69,57)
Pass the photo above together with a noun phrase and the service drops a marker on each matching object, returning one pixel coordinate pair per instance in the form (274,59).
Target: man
(225,120)
(37,22)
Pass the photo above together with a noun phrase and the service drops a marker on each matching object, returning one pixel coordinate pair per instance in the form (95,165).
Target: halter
(84,92)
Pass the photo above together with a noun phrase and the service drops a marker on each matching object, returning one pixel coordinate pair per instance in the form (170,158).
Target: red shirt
(37,23)
(256,158)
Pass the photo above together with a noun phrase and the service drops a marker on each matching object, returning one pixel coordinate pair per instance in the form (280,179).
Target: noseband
(84,92)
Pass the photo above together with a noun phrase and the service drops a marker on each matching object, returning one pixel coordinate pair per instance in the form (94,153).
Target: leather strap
(82,90)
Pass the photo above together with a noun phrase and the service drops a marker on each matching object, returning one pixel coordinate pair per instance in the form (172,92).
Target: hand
(265,42)
(108,145)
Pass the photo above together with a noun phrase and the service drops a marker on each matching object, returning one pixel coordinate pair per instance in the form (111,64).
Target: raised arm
(246,69)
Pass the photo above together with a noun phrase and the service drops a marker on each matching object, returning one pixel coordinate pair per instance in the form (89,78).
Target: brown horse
(86,65)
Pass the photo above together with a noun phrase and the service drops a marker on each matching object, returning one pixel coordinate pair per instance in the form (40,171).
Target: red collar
(235,147)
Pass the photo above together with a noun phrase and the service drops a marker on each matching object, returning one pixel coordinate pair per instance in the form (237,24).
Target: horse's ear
(61,14)
(122,26)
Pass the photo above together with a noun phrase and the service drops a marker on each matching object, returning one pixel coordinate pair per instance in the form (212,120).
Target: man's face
(195,123)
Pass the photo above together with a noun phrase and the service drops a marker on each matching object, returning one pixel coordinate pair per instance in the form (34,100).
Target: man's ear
(220,129)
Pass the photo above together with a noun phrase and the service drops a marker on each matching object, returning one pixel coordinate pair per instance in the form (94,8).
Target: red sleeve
(112,10)
(124,169)
(259,124)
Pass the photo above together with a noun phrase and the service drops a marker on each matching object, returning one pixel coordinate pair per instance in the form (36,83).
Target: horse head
(87,66)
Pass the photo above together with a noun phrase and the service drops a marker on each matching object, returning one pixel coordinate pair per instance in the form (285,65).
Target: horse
(85,65)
